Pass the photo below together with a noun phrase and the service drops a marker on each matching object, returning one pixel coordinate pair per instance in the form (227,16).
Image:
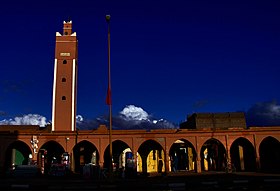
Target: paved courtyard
(178,181)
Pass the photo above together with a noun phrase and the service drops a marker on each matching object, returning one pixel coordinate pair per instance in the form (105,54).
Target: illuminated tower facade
(65,80)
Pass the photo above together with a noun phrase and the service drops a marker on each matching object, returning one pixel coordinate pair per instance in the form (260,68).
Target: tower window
(63,97)
(66,33)
(63,80)
(64,61)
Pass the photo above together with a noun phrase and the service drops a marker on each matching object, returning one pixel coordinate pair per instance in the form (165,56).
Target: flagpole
(109,101)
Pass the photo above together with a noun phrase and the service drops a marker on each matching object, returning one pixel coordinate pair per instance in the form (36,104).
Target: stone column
(258,163)
(228,158)
(198,159)
(166,160)
(198,164)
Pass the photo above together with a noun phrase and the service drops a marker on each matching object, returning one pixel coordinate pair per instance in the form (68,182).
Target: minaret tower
(65,80)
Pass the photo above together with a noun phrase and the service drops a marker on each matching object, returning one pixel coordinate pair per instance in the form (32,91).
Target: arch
(242,154)
(150,157)
(270,155)
(17,153)
(213,155)
(50,153)
(84,153)
(119,150)
(183,156)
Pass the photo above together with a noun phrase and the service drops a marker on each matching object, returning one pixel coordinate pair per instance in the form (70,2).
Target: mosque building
(205,142)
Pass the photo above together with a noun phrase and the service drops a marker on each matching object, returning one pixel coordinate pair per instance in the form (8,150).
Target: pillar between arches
(198,159)
(135,159)
(34,156)
(101,163)
(134,152)
(103,143)
(166,161)
(228,157)
(258,163)
(101,159)
(198,164)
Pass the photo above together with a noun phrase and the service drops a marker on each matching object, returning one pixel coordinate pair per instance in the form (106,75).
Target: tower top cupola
(67,28)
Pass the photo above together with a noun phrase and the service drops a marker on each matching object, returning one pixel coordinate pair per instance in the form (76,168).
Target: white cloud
(131,117)
(79,118)
(29,119)
(264,114)
(132,112)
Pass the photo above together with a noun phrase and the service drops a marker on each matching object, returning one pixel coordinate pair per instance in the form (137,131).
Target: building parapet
(227,120)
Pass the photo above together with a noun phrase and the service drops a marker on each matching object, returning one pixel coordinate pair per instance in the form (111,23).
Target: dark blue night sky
(170,57)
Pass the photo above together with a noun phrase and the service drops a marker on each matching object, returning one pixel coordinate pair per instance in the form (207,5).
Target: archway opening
(270,155)
(151,157)
(84,153)
(182,156)
(51,153)
(121,155)
(243,155)
(17,153)
(213,156)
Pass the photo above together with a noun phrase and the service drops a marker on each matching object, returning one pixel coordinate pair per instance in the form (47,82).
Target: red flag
(108,98)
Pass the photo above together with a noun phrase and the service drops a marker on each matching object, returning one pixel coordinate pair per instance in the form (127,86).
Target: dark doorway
(213,156)
(118,148)
(52,152)
(182,156)
(270,155)
(152,155)
(243,156)
(17,154)
(85,153)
